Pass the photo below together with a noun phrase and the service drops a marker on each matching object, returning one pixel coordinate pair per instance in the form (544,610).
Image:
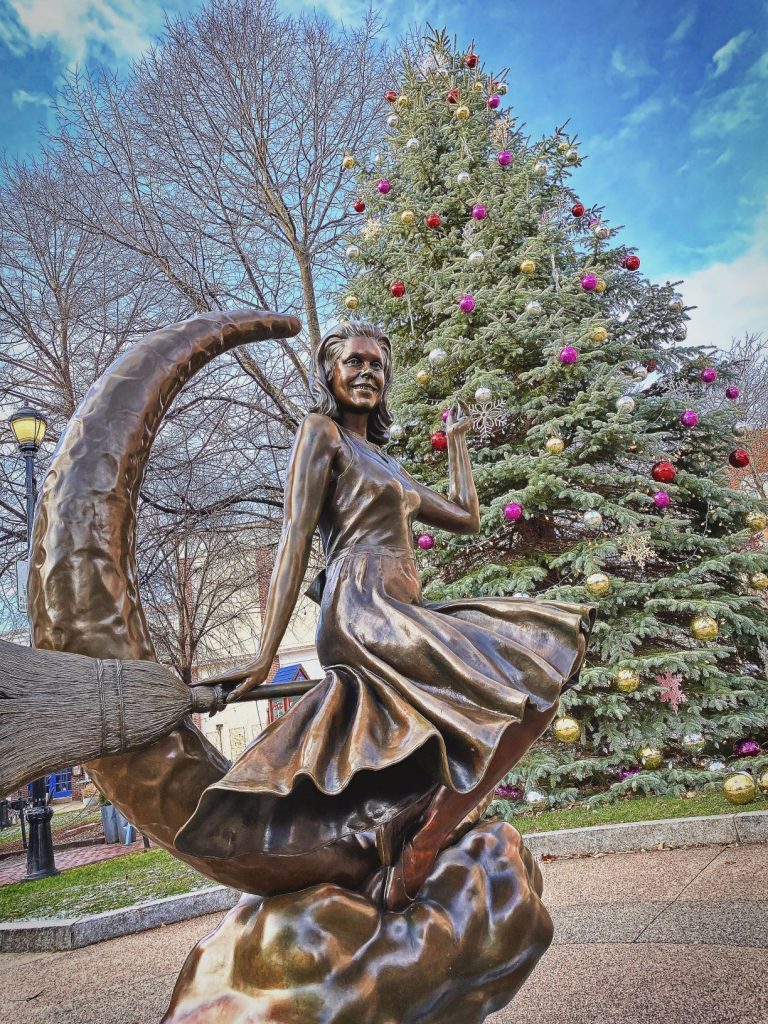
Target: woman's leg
(448,809)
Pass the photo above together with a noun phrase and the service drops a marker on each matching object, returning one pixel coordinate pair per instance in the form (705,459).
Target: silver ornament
(741,429)
(396,432)
(353,252)
(599,230)
(536,800)
(483,395)
(592,519)
(625,405)
(694,742)
(393,120)
(476,257)
(676,305)
(540,169)
(534,308)
(716,766)
(437,356)
(412,144)
(463,178)
(639,373)
(572,156)
(680,333)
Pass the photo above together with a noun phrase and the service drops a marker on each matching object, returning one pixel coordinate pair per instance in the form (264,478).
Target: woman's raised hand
(248,676)
(459,419)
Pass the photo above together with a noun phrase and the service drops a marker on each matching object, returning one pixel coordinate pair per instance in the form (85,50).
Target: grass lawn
(60,822)
(637,808)
(120,882)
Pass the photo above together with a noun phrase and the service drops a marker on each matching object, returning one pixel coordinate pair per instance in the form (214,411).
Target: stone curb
(46,935)
(674,833)
(34,936)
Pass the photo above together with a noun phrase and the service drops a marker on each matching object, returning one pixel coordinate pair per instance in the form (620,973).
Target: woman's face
(358,376)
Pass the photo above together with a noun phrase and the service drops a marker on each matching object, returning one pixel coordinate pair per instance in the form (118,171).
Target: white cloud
(23,98)
(725,56)
(630,65)
(731,297)
(741,106)
(683,27)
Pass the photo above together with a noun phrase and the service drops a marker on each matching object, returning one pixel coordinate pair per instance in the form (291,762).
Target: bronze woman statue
(424,707)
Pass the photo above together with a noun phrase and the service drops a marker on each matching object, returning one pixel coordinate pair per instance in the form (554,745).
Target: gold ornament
(527,267)
(739,788)
(598,584)
(598,335)
(563,146)
(555,445)
(566,729)
(650,757)
(478,86)
(462,113)
(627,680)
(756,521)
(402,102)
(348,162)
(407,217)
(600,286)
(762,782)
(423,377)
(758,581)
(351,302)
(704,627)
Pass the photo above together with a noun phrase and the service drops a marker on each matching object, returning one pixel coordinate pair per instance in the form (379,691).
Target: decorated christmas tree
(601,443)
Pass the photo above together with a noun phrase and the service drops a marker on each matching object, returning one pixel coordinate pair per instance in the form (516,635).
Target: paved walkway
(13,869)
(640,938)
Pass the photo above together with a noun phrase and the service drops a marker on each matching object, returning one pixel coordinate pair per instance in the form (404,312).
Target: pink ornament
(732,392)
(509,792)
(384,186)
(689,418)
(627,773)
(466,303)
(512,512)
(568,355)
(709,376)
(504,158)
(445,414)
(494,102)
(661,499)
(479,211)
(746,748)
(426,541)
(589,282)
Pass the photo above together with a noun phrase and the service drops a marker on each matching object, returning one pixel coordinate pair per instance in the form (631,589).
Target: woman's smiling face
(358,376)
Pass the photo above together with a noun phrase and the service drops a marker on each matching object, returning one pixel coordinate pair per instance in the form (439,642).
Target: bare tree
(749,356)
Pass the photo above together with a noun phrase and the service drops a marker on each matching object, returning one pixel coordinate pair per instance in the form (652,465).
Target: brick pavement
(14,868)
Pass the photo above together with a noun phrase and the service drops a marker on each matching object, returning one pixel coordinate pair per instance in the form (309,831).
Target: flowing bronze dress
(415,694)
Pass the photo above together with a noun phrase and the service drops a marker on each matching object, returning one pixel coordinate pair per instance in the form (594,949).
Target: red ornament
(453,96)
(439,441)
(471,60)
(390,95)
(397,289)
(664,472)
(631,262)
(359,206)
(651,365)
(433,220)
(739,458)
(578,209)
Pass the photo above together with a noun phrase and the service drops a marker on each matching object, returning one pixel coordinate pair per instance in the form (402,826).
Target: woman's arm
(309,474)
(460,511)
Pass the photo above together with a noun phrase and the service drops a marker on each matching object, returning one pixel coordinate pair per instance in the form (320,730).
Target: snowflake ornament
(636,546)
(371,230)
(487,414)
(672,690)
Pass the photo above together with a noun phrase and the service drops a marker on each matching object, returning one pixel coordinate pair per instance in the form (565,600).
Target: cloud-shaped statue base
(329,956)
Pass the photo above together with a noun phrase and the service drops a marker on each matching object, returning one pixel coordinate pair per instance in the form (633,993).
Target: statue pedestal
(329,956)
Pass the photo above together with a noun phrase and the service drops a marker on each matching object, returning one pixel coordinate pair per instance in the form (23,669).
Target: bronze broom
(89,708)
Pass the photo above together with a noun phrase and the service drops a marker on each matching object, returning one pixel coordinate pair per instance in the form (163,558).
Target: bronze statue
(366,790)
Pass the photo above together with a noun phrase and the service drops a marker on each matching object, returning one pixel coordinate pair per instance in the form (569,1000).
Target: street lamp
(28,428)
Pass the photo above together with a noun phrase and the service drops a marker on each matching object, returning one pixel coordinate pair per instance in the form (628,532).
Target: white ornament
(639,373)
(541,169)
(396,432)
(463,178)
(741,428)
(536,800)
(483,395)
(534,308)
(694,742)
(412,144)
(599,230)
(353,251)
(572,156)
(487,415)
(681,333)
(393,120)
(593,519)
(625,405)
(716,766)
(437,356)
(476,257)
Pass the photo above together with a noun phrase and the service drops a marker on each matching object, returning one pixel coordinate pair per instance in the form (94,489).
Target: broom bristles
(59,709)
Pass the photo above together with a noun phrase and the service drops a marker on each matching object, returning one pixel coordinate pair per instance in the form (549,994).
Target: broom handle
(268,691)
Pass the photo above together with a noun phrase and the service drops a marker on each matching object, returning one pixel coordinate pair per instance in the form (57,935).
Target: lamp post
(28,427)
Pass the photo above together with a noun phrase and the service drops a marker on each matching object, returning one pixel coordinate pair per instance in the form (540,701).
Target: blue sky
(668,100)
